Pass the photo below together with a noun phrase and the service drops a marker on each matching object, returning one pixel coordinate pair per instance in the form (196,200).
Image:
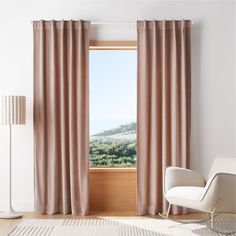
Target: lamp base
(11,214)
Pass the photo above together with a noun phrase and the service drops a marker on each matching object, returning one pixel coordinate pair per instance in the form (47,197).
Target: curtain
(61,116)
(163,122)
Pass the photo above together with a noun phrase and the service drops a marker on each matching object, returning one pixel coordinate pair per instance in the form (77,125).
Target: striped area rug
(113,226)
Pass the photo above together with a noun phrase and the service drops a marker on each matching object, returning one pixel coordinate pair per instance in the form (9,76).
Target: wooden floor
(7,225)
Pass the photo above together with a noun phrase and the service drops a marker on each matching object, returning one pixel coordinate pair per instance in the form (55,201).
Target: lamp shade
(12,110)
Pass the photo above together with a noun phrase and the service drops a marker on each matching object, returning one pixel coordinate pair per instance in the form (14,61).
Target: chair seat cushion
(186,192)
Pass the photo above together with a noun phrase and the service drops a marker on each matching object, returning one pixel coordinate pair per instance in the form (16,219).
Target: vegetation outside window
(113,79)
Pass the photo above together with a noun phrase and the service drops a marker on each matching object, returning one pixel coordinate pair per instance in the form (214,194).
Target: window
(113,78)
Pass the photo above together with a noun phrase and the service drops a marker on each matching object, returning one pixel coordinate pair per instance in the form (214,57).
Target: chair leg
(212,220)
(212,214)
(167,213)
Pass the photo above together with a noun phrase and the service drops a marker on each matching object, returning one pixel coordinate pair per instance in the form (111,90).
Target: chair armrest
(176,176)
(221,183)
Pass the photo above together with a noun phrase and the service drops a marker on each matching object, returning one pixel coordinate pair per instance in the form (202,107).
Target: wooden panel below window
(113,189)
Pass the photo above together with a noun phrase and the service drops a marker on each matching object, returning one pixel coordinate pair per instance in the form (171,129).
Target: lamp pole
(9,204)
(10,213)
(12,111)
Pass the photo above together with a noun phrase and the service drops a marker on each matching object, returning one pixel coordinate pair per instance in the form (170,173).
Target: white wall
(213,75)
(234,79)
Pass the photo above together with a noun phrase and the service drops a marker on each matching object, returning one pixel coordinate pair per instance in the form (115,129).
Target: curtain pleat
(61,116)
(163,112)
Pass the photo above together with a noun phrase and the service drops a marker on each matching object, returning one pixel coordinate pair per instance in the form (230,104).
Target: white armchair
(189,189)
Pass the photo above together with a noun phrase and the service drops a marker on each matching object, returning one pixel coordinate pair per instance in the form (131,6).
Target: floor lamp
(12,112)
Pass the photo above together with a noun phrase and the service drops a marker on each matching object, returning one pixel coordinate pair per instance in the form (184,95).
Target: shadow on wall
(196,127)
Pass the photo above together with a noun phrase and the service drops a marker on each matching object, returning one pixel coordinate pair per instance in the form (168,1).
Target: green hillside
(114,147)
(122,129)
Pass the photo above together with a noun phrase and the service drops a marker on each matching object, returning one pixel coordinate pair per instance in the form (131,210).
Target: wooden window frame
(112,45)
(112,169)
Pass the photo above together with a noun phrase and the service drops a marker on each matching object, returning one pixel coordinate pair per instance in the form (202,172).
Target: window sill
(113,170)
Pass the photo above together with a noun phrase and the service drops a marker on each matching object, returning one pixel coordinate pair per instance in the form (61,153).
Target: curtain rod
(112,22)
(119,22)
(116,22)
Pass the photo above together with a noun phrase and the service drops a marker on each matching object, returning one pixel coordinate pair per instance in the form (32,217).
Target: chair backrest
(223,165)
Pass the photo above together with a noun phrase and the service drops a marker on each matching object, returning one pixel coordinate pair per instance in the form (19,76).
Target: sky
(113,85)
